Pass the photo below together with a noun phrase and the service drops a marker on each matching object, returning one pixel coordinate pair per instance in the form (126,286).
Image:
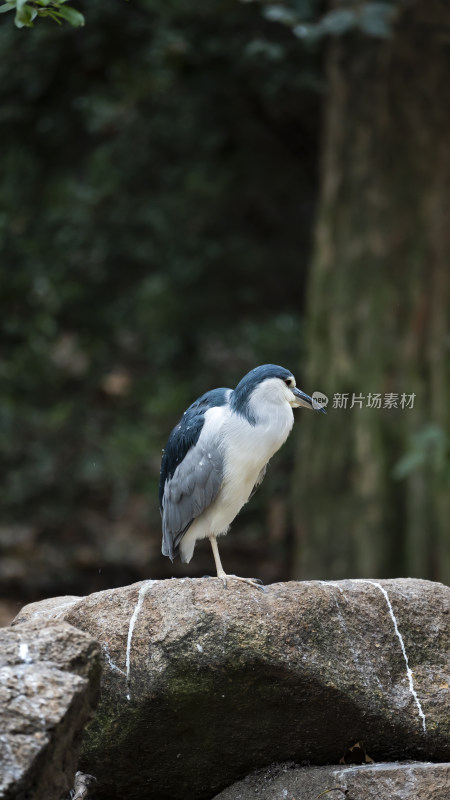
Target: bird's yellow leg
(221,572)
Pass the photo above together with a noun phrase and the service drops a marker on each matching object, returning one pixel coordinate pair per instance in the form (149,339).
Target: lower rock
(49,682)
(202,685)
(397,781)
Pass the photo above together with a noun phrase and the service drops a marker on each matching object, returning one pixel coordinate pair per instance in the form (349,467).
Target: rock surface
(49,683)
(202,685)
(397,781)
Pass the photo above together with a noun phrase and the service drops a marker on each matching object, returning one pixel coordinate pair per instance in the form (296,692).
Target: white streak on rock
(402,645)
(50,612)
(332,583)
(110,661)
(24,653)
(142,591)
(64,607)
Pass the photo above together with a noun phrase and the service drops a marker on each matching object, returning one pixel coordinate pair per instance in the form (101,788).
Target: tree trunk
(378,308)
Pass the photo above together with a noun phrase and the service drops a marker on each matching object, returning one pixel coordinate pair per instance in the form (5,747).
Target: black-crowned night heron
(217,455)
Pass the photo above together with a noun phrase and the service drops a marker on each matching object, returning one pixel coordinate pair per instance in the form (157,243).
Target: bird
(216,458)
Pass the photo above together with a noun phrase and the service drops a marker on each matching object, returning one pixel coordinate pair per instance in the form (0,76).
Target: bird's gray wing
(192,488)
(259,481)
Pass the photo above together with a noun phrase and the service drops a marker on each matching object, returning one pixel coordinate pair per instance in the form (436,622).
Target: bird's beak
(304,400)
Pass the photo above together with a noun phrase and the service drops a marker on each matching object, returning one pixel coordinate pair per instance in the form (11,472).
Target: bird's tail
(167,548)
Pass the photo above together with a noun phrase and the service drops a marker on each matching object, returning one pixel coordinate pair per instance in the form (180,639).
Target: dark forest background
(190,189)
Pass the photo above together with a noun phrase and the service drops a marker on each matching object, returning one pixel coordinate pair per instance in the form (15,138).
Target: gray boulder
(202,685)
(411,781)
(49,683)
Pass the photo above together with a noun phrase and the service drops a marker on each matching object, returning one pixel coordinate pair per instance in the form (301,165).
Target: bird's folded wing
(192,488)
(191,467)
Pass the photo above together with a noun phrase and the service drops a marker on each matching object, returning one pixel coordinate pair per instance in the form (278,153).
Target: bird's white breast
(246,450)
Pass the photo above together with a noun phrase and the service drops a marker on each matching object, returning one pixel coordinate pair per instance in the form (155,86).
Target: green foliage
(27,11)
(158,183)
(309,23)
(429,448)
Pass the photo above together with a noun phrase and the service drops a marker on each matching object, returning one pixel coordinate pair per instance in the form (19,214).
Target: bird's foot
(255,582)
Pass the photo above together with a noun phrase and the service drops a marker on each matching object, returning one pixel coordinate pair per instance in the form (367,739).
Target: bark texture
(378,308)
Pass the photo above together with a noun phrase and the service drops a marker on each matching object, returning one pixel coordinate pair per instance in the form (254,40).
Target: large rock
(202,685)
(412,781)
(49,683)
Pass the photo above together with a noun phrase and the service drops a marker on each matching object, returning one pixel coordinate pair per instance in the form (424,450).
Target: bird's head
(266,386)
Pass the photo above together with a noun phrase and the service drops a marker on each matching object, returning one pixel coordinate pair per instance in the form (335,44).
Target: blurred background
(193,188)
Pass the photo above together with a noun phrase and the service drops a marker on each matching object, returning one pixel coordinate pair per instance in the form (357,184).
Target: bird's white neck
(273,418)
(270,401)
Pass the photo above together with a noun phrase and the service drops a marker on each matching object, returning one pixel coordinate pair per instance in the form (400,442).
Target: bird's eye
(288,382)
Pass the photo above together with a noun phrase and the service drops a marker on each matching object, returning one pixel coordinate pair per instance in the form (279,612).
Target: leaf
(356,755)
(376,19)
(338,22)
(431,435)
(24,15)
(429,447)
(71,15)
(280,14)
(408,463)
(308,32)
(7,7)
